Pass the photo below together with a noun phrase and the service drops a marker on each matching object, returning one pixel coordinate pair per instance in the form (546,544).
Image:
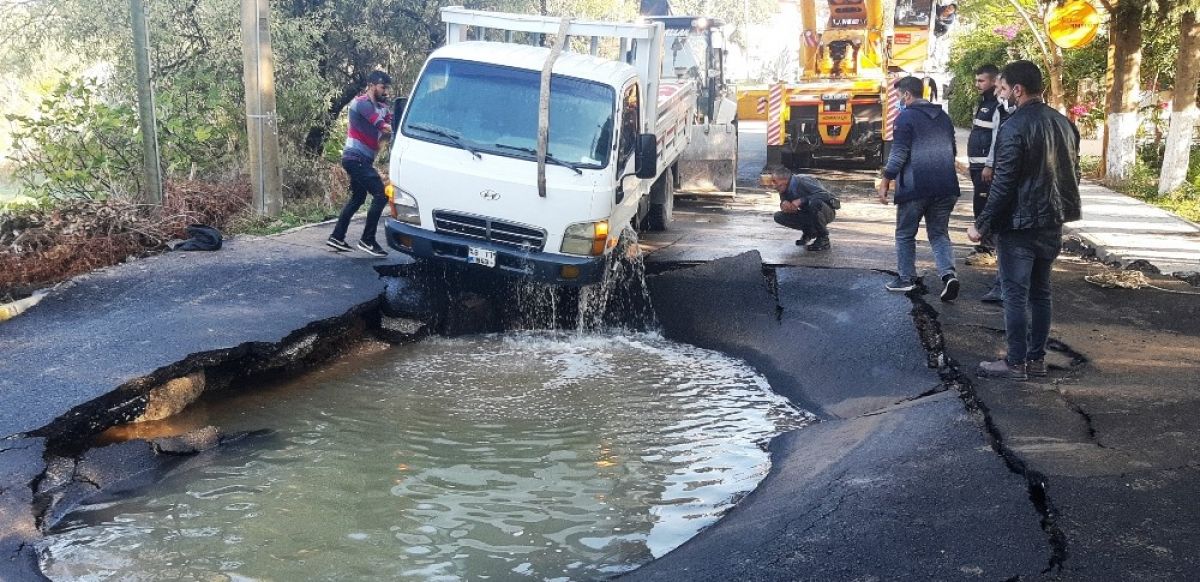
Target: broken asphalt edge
(924,319)
(28,510)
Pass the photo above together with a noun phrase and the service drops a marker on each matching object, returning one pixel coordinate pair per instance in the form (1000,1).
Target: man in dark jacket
(988,115)
(805,205)
(1035,189)
(922,164)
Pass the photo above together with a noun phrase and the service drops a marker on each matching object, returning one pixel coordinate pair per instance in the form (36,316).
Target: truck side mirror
(645,162)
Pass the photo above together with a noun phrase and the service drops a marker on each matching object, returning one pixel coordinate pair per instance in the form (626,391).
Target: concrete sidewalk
(1122,229)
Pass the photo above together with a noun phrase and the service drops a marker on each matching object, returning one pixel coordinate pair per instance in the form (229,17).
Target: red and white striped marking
(775,116)
(893,109)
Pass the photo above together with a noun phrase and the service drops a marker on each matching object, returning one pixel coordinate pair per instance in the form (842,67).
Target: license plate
(483,257)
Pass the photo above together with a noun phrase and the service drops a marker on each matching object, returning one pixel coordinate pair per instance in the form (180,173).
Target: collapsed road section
(146,338)
(895,481)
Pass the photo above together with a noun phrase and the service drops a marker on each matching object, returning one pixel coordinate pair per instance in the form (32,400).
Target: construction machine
(851,51)
(694,50)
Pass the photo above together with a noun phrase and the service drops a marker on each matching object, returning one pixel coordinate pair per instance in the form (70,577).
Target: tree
(740,15)
(1124,88)
(1184,112)
(1034,18)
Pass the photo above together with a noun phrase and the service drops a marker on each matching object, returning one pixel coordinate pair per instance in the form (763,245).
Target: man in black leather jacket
(1034,190)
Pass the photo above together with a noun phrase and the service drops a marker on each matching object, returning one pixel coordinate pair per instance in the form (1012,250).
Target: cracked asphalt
(913,472)
(1089,474)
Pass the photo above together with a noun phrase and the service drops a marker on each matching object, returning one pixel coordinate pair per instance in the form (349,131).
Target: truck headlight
(585,238)
(404,205)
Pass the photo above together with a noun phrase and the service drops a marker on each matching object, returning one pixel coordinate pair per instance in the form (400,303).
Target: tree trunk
(1184,113)
(1057,97)
(1124,92)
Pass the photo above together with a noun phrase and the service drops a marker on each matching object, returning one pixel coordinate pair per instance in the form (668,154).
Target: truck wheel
(661,213)
(874,157)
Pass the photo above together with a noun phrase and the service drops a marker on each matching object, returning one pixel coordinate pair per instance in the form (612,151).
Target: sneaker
(371,248)
(804,239)
(950,288)
(902,285)
(994,295)
(337,244)
(1001,369)
(1036,368)
(820,244)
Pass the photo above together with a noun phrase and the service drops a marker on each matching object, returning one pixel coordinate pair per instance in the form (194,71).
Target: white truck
(478,179)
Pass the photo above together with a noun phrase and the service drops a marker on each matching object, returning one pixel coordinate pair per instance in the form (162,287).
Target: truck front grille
(489,229)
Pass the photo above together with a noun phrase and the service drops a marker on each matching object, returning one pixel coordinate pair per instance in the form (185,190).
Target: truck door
(629,189)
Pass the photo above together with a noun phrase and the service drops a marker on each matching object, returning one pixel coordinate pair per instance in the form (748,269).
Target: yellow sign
(1073,23)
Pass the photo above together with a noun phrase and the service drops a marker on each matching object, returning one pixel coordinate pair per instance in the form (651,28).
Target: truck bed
(676,105)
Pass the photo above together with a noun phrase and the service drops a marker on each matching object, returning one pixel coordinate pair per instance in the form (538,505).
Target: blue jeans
(936,212)
(363,180)
(1025,258)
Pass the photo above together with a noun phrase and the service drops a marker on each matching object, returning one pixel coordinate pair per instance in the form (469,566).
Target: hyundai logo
(489,195)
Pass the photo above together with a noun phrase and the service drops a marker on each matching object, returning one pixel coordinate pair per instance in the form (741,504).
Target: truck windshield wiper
(549,157)
(446,133)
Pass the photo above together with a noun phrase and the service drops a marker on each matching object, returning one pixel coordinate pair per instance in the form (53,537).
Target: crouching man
(805,205)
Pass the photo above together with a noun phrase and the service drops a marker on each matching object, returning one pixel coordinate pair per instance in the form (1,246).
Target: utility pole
(262,127)
(145,93)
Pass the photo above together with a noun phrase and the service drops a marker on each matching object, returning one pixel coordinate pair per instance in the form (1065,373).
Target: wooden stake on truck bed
(544,105)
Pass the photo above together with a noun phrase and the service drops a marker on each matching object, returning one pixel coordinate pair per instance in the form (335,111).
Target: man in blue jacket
(922,166)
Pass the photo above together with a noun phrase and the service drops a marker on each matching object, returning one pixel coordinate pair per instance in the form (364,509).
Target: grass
(1184,205)
(295,213)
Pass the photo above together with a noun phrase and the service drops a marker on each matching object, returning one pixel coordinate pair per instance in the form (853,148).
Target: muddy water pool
(534,455)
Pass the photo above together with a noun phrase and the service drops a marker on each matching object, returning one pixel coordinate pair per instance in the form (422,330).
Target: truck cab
(464,162)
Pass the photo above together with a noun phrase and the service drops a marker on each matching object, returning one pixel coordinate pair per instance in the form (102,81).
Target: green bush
(77,145)
(1193,175)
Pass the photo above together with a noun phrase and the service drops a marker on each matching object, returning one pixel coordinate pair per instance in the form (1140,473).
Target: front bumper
(510,260)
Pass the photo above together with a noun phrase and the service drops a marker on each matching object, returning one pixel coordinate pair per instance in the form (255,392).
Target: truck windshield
(494,109)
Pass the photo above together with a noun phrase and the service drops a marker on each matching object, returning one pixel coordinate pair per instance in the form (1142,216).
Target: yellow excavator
(850,53)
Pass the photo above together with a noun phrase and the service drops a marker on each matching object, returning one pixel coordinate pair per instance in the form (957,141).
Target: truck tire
(661,213)
(874,157)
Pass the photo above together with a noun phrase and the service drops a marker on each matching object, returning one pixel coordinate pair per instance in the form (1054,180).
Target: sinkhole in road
(541,455)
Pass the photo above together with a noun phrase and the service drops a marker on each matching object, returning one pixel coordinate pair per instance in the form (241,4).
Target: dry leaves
(45,247)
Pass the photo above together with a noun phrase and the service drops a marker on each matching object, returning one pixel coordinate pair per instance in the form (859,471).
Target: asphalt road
(912,473)
(1100,459)
(137,322)
(896,481)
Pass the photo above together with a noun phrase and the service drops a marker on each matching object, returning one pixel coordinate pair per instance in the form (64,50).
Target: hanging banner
(1073,24)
